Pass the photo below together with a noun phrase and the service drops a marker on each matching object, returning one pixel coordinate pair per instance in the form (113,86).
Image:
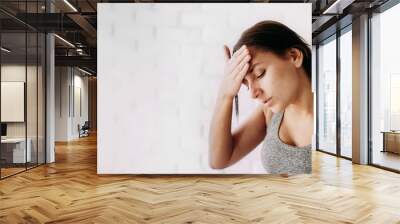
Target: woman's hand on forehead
(236,67)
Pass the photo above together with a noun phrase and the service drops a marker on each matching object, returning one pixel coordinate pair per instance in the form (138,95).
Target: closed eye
(261,75)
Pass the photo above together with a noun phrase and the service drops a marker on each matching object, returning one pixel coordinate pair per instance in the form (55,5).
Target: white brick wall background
(159,68)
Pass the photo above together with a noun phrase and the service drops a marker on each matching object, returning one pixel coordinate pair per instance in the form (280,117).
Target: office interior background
(48,83)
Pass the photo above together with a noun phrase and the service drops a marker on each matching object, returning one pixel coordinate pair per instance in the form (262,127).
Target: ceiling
(76,22)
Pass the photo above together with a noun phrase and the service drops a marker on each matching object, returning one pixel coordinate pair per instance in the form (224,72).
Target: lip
(267,100)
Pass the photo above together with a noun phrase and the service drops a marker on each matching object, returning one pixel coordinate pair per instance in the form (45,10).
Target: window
(327,96)
(385,89)
(346,92)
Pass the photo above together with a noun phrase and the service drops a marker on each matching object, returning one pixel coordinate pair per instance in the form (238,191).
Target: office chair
(84,130)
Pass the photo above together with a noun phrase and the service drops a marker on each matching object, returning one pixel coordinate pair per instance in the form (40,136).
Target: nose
(254,91)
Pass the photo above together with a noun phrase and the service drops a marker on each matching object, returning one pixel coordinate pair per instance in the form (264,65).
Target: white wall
(61,103)
(80,83)
(159,67)
(67,80)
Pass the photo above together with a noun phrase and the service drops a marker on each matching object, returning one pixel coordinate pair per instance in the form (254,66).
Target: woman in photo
(274,63)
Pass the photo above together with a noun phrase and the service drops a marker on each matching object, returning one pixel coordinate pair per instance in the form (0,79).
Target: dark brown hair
(277,38)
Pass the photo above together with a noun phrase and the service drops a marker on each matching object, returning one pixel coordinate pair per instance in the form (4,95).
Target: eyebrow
(253,66)
(244,81)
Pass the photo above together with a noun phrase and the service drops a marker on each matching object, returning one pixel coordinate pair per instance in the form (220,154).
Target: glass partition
(327,96)
(346,93)
(13,109)
(32,95)
(22,78)
(41,87)
(385,89)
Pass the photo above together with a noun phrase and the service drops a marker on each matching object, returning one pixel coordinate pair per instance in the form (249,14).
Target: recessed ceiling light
(5,49)
(70,5)
(84,71)
(64,40)
(337,7)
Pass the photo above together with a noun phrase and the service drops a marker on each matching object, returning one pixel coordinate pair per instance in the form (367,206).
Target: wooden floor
(5,172)
(70,191)
(387,159)
(8,171)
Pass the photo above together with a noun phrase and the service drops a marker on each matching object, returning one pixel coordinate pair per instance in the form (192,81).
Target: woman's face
(271,79)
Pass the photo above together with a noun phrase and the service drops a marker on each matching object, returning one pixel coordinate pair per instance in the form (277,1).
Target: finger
(234,61)
(243,53)
(239,67)
(239,57)
(244,60)
(239,51)
(242,73)
(227,53)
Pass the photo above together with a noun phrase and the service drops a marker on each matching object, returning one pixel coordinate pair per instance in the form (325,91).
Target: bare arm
(249,135)
(220,139)
(227,148)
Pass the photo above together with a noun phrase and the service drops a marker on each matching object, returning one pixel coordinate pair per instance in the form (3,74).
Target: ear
(296,57)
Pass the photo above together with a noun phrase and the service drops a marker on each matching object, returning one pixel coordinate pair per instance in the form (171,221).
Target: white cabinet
(18,149)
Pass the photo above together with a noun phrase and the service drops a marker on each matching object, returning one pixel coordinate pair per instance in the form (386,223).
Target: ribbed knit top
(280,158)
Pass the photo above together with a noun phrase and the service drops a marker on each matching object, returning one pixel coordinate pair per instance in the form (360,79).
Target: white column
(50,92)
(360,90)
(50,110)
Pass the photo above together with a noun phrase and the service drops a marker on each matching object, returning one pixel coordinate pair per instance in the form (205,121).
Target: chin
(276,108)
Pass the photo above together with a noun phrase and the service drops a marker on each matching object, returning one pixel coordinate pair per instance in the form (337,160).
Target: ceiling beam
(85,61)
(86,26)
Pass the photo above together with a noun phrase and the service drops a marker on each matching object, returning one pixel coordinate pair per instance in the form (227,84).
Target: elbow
(217,164)
(217,160)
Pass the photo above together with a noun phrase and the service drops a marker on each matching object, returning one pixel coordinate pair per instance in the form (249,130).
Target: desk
(391,141)
(15,148)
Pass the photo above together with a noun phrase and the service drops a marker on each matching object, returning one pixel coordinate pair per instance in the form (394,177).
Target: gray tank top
(280,158)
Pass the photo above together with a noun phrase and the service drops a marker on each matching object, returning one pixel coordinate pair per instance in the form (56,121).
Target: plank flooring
(387,159)
(5,172)
(70,191)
